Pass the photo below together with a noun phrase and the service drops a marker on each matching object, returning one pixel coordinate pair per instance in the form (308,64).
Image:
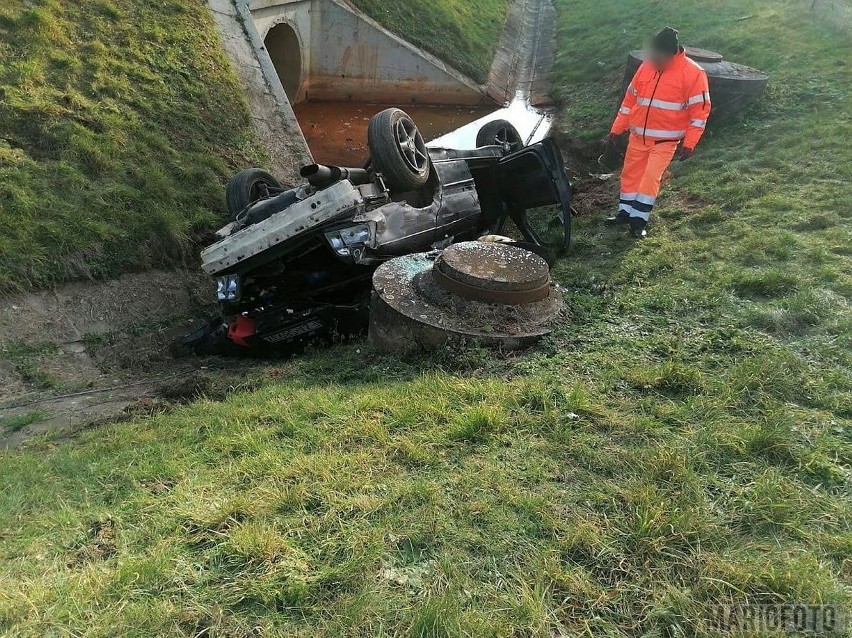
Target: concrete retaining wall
(269,106)
(348,56)
(352,55)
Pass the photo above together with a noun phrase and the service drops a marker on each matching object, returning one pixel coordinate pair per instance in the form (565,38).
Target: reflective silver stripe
(652,132)
(634,213)
(662,104)
(624,110)
(628,196)
(698,123)
(695,99)
(646,199)
(632,90)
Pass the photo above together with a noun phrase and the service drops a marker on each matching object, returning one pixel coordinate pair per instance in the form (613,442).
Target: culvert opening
(350,68)
(334,104)
(336,129)
(284,49)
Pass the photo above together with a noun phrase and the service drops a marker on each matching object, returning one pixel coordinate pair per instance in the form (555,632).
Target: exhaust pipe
(320,176)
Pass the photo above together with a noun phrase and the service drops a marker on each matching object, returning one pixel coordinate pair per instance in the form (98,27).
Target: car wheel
(397,150)
(246,188)
(499,133)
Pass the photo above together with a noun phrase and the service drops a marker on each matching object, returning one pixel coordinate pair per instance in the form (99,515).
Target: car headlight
(342,241)
(229,288)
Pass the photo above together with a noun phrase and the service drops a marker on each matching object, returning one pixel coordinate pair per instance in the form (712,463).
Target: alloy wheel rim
(411,145)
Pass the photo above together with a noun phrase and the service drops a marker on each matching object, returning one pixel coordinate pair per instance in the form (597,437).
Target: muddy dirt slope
(89,349)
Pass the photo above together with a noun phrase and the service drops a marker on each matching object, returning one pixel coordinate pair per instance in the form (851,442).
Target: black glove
(685,154)
(612,138)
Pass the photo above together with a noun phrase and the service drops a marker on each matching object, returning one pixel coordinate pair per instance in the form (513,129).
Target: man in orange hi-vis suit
(667,102)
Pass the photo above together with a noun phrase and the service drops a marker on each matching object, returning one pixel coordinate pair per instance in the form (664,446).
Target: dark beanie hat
(666,41)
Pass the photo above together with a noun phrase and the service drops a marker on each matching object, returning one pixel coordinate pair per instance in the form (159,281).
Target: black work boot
(619,219)
(637,228)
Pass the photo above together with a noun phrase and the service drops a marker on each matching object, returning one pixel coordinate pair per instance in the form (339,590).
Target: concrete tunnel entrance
(338,69)
(284,49)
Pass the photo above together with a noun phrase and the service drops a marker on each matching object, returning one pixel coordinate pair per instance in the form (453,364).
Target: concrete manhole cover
(493,273)
(703,55)
(491,293)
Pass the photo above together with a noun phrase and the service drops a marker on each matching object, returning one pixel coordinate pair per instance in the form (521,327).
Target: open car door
(529,178)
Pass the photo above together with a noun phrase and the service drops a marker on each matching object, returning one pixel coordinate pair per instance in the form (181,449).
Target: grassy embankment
(683,441)
(120,118)
(118,121)
(462,32)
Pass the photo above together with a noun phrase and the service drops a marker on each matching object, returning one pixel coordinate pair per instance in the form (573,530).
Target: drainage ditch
(333,113)
(336,132)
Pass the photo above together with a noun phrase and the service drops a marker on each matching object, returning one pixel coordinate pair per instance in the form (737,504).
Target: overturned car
(294,265)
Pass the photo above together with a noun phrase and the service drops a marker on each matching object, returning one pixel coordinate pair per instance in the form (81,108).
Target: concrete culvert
(284,49)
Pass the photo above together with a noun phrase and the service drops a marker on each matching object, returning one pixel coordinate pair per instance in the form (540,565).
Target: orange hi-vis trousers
(644,165)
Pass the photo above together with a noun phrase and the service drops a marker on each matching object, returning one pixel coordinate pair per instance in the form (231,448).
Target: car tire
(397,150)
(499,133)
(246,188)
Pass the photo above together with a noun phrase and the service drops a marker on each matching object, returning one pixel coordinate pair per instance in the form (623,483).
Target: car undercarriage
(294,265)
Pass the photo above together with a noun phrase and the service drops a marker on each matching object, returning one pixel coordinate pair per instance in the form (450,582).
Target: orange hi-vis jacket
(673,104)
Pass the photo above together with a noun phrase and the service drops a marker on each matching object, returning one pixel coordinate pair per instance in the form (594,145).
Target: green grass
(462,32)
(683,440)
(119,120)
(567,490)
(27,361)
(15,423)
